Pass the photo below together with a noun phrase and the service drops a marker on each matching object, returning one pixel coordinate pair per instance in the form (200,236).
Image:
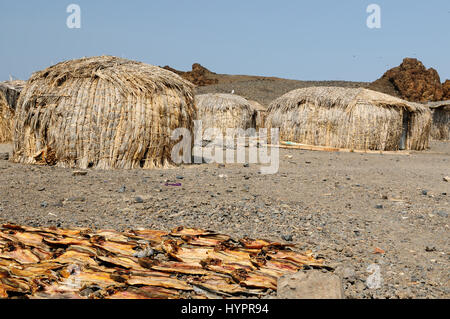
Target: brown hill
(411,81)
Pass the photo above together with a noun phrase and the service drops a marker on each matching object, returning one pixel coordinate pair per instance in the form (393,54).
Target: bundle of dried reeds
(349,118)
(440,129)
(102,112)
(225,111)
(9,94)
(261,113)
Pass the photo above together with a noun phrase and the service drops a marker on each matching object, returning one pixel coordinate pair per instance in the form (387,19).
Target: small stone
(41,189)
(310,285)
(4,156)
(221,165)
(180,177)
(424,192)
(138,200)
(287,237)
(246,165)
(44,204)
(148,252)
(379,206)
(79,173)
(77,199)
(441,213)
(58,204)
(446,178)
(430,249)
(346,272)
(122,189)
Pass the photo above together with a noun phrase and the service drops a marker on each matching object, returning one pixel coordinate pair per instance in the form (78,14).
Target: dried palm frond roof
(439,104)
(257,106)
(11,91)
(222,102)
(344,98)
(102,112)
(131,77)
(15,84)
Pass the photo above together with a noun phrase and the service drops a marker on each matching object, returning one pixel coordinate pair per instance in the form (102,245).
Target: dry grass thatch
(261,113)
(225,111)
(440,129)
(102,112)
(349,118)
(9,94)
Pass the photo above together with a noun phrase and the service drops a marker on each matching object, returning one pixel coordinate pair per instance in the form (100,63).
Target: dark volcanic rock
(411,81)
(199,75)
(446,90)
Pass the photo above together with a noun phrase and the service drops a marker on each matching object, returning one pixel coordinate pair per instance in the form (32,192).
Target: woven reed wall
(102,112)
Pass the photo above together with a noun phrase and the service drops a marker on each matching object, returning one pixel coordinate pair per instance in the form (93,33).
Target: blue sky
(305,40)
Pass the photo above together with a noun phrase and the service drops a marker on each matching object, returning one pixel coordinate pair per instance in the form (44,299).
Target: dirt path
(340,205)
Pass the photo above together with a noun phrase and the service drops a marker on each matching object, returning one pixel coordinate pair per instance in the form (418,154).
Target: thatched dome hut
(102,112)
(9,94)
(352,118)
(440,129)
(261,113)
(225,111)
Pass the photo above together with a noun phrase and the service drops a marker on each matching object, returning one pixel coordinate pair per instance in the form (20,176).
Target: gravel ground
(343,206)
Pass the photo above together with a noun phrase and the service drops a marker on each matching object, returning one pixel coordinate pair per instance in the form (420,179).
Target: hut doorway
(405,130)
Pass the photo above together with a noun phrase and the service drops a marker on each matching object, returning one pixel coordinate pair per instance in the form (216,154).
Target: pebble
(122,189)
(424,192)
(379,206)
(287,237)
(77,199)
(246,165)
(180,177)
(441,213)
(4,156)
(79,173)
(44,204)
(138,200)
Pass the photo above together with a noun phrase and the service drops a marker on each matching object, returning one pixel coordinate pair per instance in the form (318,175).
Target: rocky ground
(358,211)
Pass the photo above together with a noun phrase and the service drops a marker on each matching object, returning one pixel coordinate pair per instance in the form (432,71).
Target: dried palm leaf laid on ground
(141,264)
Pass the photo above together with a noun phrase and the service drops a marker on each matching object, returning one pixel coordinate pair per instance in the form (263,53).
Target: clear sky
(305,40)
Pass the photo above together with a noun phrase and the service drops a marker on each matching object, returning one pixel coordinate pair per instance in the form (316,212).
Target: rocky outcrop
(446,90)
(411,81)
(199,75)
